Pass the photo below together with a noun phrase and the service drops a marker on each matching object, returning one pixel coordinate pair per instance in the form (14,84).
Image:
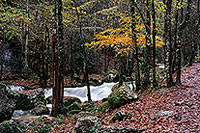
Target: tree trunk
(180,32)
(26,45)
(168,41)
(54,62)
(147,53)
(134,38)
(154,44)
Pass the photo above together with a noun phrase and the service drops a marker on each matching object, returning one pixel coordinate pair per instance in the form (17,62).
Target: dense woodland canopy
(60,39)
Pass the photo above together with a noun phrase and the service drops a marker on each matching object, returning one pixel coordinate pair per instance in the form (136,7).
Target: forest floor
(175,109)
(180,106)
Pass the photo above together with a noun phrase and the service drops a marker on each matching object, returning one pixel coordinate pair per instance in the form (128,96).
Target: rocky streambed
(21,106)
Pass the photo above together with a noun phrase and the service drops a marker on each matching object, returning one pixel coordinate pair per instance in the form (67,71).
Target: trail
(175,109)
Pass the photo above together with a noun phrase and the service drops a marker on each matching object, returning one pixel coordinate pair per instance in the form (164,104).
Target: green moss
(9,127)
(22,102)
(120,116)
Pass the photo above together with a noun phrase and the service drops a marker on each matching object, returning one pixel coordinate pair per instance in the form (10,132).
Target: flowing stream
(97,93)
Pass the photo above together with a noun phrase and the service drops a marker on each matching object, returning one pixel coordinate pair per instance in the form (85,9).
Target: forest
(99,66)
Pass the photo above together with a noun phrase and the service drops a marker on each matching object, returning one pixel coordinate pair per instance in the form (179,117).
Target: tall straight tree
(182,26)
(27,38)
(60,52)
(168,43)
(137,73)
(54,60)
(57,57)
(154,42)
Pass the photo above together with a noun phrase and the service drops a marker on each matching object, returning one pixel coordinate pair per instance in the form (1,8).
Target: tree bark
(134,38)
(154,43)
(168,41)
(180,32)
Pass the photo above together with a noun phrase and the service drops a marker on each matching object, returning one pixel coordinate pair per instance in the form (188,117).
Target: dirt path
(176,109)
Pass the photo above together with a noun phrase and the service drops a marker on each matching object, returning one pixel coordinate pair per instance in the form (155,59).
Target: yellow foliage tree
(120,39)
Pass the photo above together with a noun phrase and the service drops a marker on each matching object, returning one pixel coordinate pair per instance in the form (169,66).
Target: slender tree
(27,38)
(154,43)
(168,43)
(57,57)
(134,38)
(54,60)
(181,27)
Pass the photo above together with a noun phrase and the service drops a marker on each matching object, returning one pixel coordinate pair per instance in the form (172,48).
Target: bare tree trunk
(26,45)
(154,44)
(85,65)
(60,52)
(54,61)
(147,57)
(168,41)
(180,32)
(134,38)
(175,39)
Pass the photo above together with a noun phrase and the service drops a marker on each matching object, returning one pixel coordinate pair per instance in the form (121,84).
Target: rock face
(8,102)
(30,99)
(121,96)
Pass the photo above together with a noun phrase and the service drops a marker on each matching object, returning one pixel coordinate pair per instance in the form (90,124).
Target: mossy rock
(40,110)
(87,107)
(105,99)
(74,112)
(74,106)
(119,116)
(23,102)
(121,96)
(9,127)
(104,107)
(70,100)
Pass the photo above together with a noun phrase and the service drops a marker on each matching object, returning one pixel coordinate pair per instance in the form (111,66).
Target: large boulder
(31,99)
(91,124)
(8,102)
(69,100)
(121,95)
(40,110)
(86,124)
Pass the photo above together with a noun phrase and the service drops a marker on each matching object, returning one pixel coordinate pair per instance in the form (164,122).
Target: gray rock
(17,113)
(91,124)
(111,129)
(121,96)
(8,102)
(121,115)
(30,99)
(40,110)
(164,114)
(86,124)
